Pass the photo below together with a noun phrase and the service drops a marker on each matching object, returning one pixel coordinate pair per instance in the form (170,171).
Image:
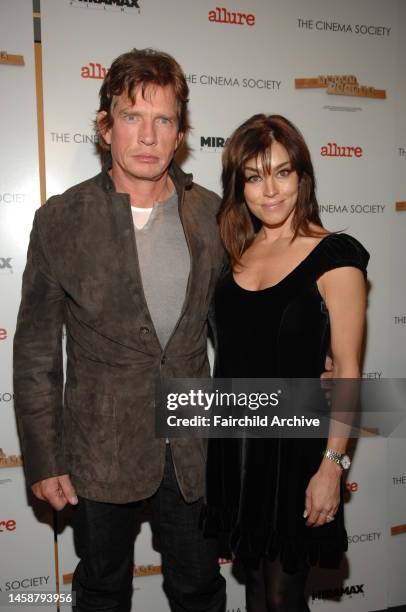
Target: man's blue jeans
(104,538)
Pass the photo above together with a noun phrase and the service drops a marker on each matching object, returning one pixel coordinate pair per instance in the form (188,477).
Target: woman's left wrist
(330,467)
(337,457)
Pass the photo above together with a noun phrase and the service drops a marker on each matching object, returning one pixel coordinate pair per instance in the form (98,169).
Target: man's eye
(130,118)
(164,120)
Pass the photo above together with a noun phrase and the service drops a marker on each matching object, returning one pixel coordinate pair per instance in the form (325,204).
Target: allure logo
(223,15)
(7,525)
(332,149)
(93,71)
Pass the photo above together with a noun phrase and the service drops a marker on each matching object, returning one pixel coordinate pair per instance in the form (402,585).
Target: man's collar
(182,180)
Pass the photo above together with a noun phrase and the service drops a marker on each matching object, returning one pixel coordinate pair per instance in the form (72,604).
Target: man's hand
(57,491)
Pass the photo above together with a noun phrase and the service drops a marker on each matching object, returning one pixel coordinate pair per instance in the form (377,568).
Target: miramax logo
(340,85)
(338,593)
(212,143)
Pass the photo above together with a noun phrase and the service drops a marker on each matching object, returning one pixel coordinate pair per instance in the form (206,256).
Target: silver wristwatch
(339,458)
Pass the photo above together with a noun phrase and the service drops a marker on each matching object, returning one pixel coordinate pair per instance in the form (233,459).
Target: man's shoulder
(83,191)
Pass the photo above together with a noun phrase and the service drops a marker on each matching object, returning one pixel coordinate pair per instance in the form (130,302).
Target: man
(127,261)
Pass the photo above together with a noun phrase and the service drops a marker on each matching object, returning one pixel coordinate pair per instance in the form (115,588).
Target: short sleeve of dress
(339,251)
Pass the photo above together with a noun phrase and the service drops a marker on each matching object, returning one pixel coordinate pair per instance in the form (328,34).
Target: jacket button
(144,331)
(163,360)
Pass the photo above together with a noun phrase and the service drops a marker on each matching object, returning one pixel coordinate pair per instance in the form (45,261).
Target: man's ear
(104,131)
(179,139)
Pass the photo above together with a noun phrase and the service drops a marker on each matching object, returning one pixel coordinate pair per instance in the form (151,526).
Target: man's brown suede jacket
(82,271)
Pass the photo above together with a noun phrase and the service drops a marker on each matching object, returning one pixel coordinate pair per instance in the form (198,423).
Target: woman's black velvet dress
(256,487)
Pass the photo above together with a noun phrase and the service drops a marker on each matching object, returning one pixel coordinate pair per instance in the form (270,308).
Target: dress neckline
(288,275)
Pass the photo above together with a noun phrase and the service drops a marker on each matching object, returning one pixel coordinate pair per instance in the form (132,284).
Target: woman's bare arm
(344,292)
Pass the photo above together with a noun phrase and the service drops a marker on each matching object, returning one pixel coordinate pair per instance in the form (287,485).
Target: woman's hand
(323,494)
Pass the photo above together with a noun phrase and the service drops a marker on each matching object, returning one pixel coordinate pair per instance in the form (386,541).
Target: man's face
(144,135)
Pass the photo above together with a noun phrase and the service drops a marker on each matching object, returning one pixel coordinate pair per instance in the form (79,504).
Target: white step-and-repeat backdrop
(26,540)
(337,70)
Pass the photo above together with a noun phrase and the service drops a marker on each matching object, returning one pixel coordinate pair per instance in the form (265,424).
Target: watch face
(345,462)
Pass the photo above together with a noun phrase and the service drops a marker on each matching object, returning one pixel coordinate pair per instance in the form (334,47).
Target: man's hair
(141,68)
(253,140)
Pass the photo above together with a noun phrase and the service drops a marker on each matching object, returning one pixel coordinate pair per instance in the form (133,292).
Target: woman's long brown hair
(252,140)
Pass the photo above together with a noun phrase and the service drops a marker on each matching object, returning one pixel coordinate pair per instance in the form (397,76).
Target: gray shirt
(164,261)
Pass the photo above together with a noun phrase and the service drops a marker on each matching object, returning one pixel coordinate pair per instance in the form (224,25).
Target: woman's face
(272,197)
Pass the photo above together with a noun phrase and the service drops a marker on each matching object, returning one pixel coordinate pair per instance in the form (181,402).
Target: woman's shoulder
(336,250)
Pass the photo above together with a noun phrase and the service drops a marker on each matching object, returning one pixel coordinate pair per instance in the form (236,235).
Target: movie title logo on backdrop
(7,525)
(12,59)
(402,152)
(353,209)
(147,570)
(218,80)
(9,461)
(321,25)
(400,206)
(338,593)
(5,265)
(332,149)
(396,530)
(399,480)
(77,138)
(92,70)
(5,481)
(363,538)
(212,143)
(138,570)
(223,15)
(399,319)
(25,583)
(3,334)
(340,85)
(107,5)
(12,198)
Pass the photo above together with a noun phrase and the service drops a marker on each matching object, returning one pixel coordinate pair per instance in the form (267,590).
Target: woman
(283,301)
